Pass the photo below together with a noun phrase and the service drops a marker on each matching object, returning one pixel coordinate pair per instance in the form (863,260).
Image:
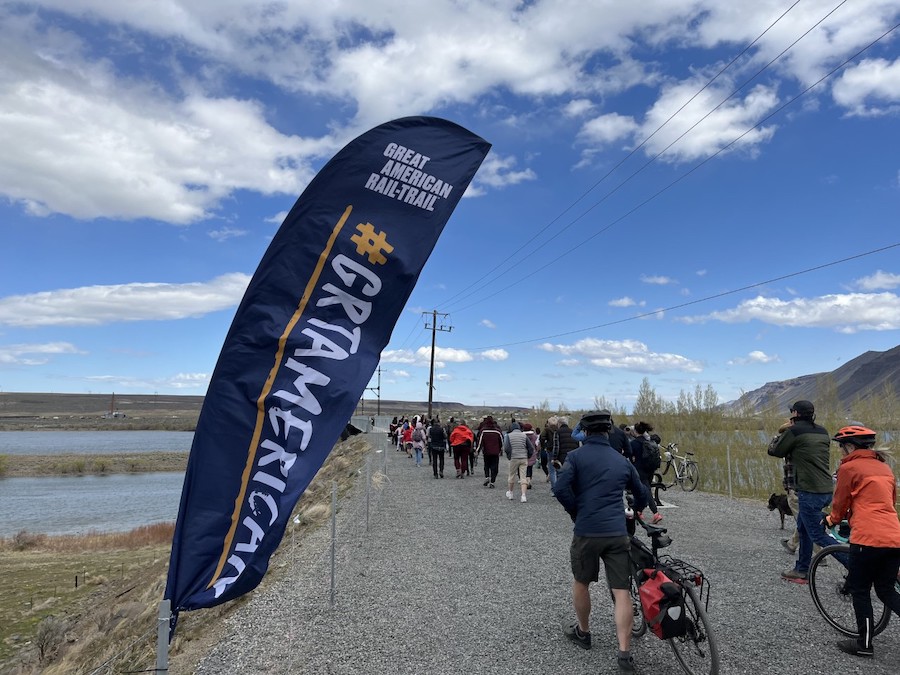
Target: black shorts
(587,552)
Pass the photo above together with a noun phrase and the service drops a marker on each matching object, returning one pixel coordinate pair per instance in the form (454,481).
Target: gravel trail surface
(454,578)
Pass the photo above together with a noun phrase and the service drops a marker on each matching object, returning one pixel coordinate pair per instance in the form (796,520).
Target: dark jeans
(872,566)
(491,466)
(437,460)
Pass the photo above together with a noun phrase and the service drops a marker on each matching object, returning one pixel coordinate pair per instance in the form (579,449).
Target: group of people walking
(590,467)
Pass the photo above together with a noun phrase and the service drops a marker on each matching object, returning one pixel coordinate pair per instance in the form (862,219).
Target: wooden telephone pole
(434,329)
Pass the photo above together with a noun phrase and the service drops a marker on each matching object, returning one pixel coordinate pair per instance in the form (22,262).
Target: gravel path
(454,578)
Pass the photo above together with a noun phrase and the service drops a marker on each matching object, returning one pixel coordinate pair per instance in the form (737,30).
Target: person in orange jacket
(866,492)
(461,441)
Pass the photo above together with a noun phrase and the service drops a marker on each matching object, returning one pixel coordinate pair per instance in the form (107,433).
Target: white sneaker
(524,499)
(509,494)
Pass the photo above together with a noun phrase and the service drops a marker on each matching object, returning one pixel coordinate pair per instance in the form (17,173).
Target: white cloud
(701,273)
(568,362)
(83,143)
(487,323)
(34,354)
(494,355)
(625,302)
(189,381)
(174,151)
(498,172)
(755,356)
(847,313)
(657,280)
(226,233)
(400,373)
(628,355)
(608,128)
(97,305)
(871,87)
(578,107)
(448,354)
(443,377)
(878,281)
(278,218)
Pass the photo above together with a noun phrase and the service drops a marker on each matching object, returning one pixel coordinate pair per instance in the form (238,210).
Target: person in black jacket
(437,445)
(645,471)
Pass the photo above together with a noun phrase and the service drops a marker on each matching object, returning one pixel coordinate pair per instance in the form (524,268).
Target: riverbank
(34,466)
(80,602)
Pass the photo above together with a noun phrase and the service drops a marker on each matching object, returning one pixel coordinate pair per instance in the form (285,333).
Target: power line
(638,147)
(688,173)
(699,300)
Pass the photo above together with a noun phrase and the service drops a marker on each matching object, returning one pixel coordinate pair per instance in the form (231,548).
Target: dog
(780,503)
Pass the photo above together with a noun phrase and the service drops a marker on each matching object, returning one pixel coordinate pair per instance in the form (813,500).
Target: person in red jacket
(461,441)
(866,492)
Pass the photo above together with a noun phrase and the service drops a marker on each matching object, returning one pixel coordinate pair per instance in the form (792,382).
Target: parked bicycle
(685,472)
(828,586)
(696,651)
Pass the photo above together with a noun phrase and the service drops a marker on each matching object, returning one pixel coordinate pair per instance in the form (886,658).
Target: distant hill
(865,375)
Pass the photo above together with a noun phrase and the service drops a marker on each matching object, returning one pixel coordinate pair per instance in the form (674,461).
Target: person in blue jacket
(590,488)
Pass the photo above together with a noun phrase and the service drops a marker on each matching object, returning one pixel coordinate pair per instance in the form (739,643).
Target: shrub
(49,637)
(3,465)
(23,539)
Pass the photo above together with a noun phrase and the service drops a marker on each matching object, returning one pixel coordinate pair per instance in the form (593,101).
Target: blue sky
(152,148)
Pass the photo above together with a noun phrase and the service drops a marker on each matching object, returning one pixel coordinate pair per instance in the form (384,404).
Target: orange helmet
(856,435)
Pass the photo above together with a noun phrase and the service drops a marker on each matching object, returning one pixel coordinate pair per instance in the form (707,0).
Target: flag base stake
(162,636)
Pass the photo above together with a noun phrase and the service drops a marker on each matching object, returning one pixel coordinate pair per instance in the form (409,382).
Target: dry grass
(111,615)
(73,464)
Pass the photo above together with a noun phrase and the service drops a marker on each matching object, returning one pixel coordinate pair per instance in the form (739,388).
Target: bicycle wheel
(691,477)
(638,622)
(697,650)
(828,588)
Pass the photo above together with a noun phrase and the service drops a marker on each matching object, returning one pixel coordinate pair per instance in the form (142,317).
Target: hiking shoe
(583,640)
(626,665)
(656,518)
(852,647)
(509,494)
(486,481)
(794,576)
(491,485)
(523,499)
(790,548)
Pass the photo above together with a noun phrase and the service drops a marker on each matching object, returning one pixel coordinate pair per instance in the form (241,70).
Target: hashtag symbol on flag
(371,244)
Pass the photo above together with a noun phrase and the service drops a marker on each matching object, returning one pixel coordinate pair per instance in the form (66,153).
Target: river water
(79,504)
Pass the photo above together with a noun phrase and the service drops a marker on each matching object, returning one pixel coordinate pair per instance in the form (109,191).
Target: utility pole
(434,328)
(377,390)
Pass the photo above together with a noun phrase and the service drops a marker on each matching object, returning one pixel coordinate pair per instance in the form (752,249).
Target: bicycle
(696,651)
(827,578)
(686,472)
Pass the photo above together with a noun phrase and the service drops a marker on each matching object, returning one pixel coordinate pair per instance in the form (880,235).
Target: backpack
(652,459)
(662,602)
(418,436)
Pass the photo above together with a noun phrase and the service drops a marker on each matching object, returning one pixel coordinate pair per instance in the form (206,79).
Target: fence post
(728,458)
(368,487)
(333,534)
(162,636)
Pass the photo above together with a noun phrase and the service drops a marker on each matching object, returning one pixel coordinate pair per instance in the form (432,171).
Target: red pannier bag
(662,601)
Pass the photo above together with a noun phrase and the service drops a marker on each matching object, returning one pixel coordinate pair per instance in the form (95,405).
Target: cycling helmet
(861,437)
(596,420)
